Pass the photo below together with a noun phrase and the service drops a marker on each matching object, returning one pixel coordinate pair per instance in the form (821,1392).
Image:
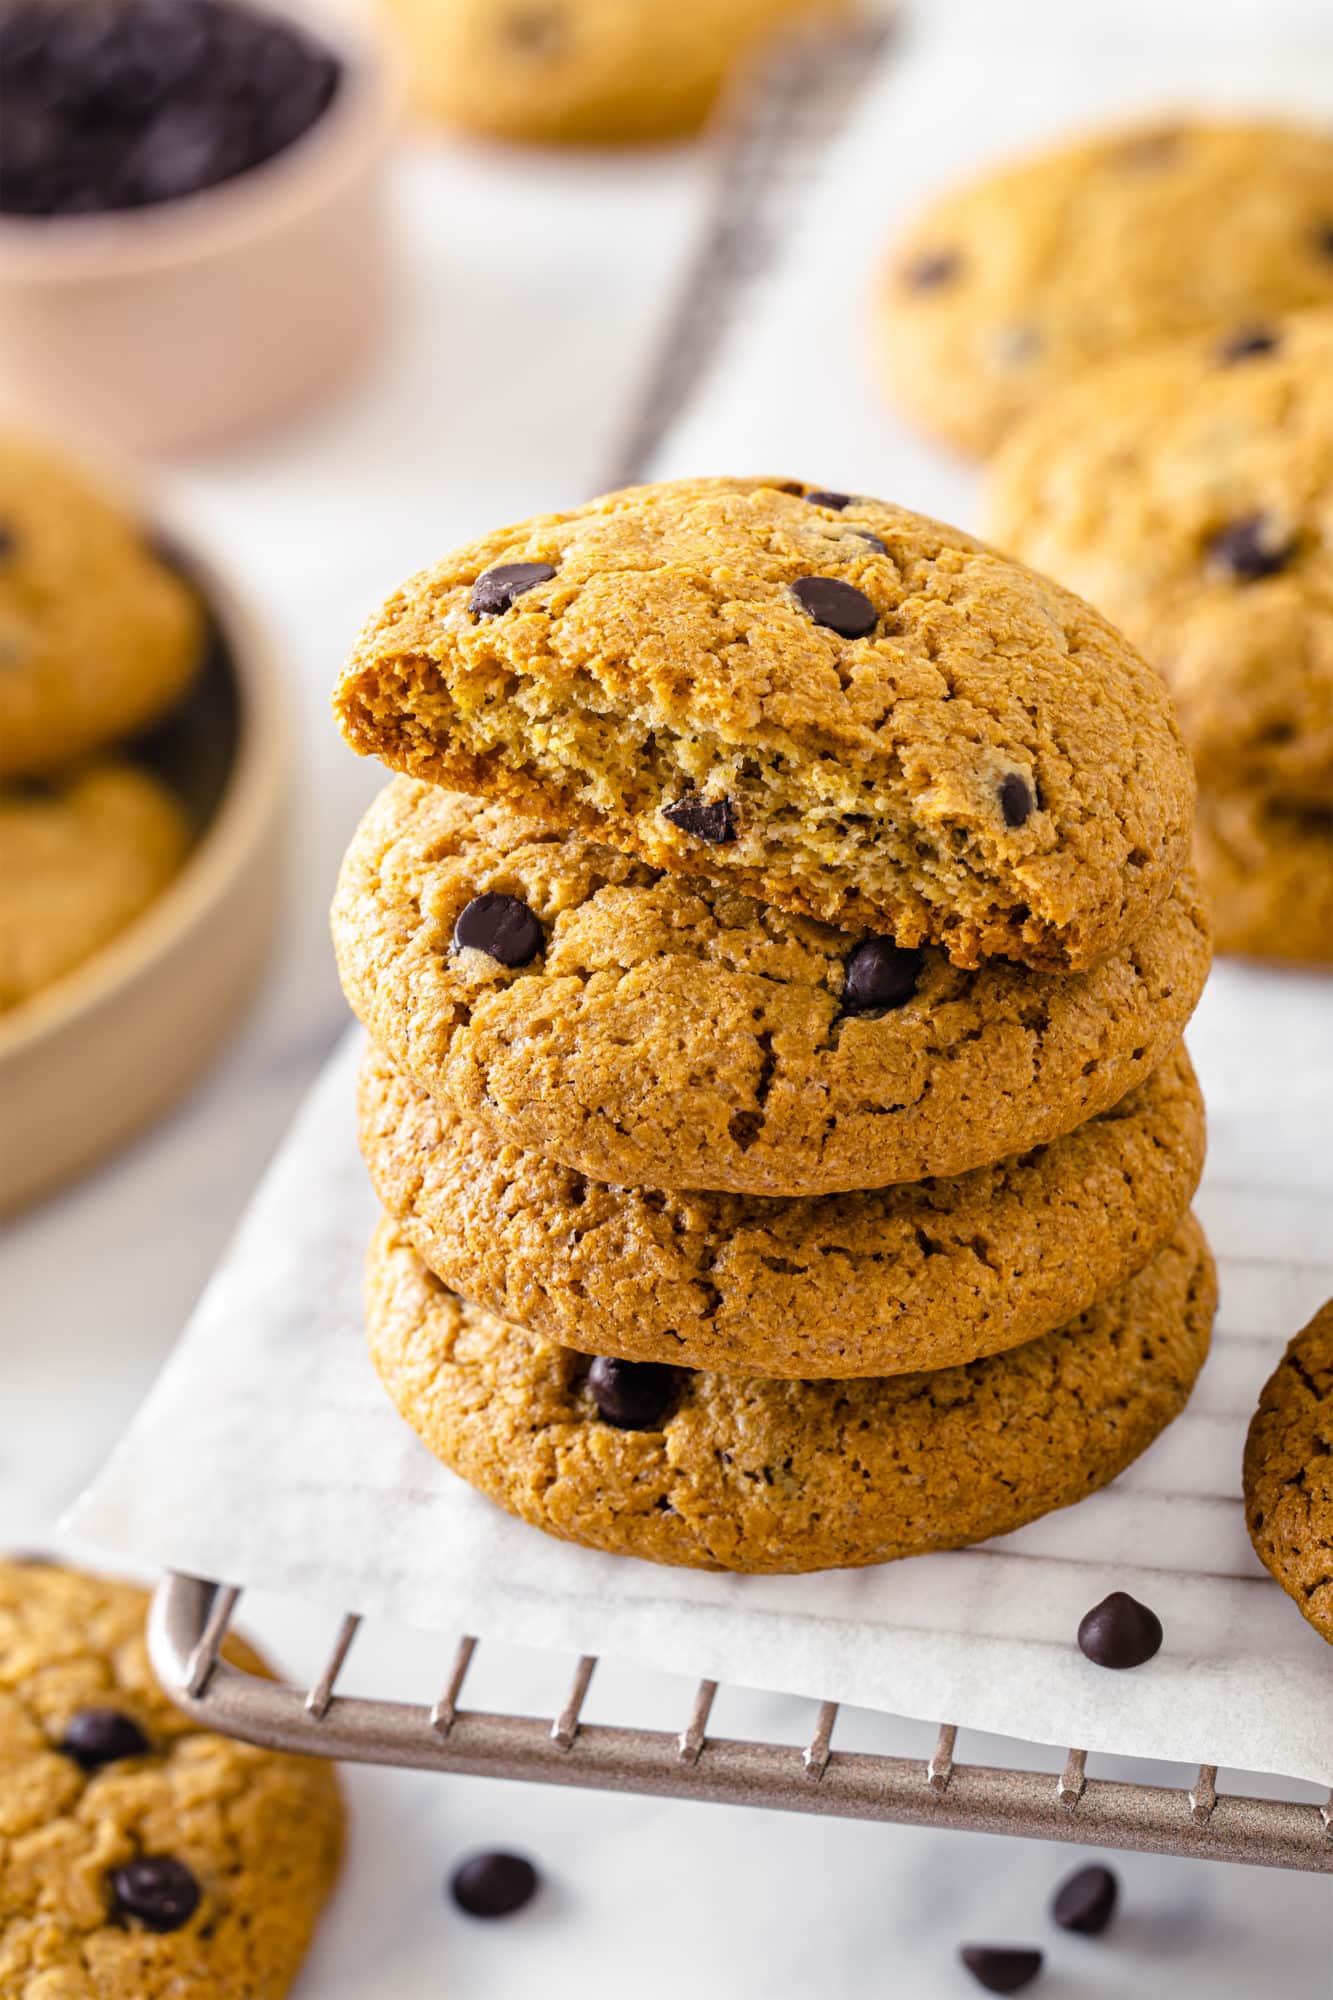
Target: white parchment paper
(267,1455)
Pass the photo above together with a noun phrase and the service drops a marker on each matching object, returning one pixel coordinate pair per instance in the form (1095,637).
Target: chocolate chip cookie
(823,701)
(583,71)
(1289,1473)
(745,1473)
(80,858)
(1188,492)
(97,635)
(922,1276)
(141,1858)
(654,1030)
(1010,285)
(1266,865)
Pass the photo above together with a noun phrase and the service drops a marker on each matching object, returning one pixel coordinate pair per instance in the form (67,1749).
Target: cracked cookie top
(821,700)
(667,1031)
(141,1858)
(1289,1473)
(1188,492)
(1010,285)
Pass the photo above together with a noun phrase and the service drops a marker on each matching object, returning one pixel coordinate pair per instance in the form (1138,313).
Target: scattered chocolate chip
(931,270)
(1119,1632)
(837,501)
(116,104)
(1246,343)
(880,974)
(880,547)
(1016,800)
(493,1885)
(840,606)
(1250,549)
(495,589)
(156,1889)
(1086,1901)
(1001,1968)
(632,1395)
(501,926)
(713,820)
(97,1736)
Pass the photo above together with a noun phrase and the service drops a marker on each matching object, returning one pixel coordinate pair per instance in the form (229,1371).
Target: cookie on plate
(1289,1473)
(1266,866)
(922,1276)
(141,1858)
(654,1030)
(743,1473)
(1013,283)
(98,637)
(1188,492)
(824,701)
(80,857)
(608,72)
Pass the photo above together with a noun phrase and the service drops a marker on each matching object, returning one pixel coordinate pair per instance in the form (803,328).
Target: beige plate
(93,1058)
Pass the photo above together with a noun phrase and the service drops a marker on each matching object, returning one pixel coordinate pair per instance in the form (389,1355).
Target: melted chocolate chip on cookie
(838,606)
(501,926)
(1248,343)
(632,1395)
(932,270)
(97,1736)
(1250,549)
(495,589)
(880,975)
(713,820)
(157,1890)
(1016,799)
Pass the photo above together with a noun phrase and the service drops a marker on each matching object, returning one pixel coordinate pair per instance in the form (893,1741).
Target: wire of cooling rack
(191,1618)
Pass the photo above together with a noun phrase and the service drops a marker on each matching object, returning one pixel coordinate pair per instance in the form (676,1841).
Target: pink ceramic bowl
(203,319)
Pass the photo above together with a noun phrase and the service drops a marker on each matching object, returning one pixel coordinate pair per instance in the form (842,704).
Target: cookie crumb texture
(1011,285)
(1186,493)
(584,71)
(847,711)
(674,1033)
(1266,865)
(79,859)
(922,1276)
(98,638)
(757,1475)
(1289,1473)
(260,1833)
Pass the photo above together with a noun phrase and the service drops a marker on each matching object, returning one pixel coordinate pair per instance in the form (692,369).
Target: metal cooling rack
(191,1617)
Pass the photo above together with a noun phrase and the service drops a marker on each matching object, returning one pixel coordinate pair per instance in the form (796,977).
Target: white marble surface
(474,418)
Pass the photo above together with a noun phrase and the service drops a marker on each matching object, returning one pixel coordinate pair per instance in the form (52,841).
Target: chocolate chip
(840,606)
(1001,1968)
(1325,239)
(881,548)
(632,1395)
(495,589)
(880,974)
(97,1736)
(501,926)
(712,820)
(837,501)
(1246,343)
(931,270)
(493,1885)
(1085,1901)
(1250,549)
(1016,800)
(156,1889)
(1119,1632)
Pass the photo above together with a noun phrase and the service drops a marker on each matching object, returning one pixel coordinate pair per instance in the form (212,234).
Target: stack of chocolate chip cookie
(776,950)
(1188,491)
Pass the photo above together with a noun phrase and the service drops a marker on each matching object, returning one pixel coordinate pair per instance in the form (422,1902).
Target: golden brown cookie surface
(80,857)
(97,636)
(141,1858)
(1187,492)
(922,1276)
(833,705)
(1266,867)
(1289,1473)
(729,1472)
(660,1031)
(1009,286)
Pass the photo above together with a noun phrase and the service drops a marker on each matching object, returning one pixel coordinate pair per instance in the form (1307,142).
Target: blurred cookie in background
(1005,288)
(98,636)
(1188,492)
(79,858)
(602,72)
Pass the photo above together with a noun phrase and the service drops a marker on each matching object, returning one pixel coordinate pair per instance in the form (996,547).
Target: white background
(531,288)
